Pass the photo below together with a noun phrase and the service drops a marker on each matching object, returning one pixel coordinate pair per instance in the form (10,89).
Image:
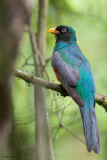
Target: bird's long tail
(90,129)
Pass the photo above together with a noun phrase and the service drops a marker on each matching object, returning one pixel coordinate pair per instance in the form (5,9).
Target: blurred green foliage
(89,19)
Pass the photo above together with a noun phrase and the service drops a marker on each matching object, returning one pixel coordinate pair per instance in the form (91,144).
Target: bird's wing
(68,76)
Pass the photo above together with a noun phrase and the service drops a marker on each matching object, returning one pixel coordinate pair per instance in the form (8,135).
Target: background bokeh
(89,19)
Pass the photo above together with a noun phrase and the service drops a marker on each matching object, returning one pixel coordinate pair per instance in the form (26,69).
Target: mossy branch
(30,78)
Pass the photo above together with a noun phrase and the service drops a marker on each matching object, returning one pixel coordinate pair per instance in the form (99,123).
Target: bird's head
(64,33)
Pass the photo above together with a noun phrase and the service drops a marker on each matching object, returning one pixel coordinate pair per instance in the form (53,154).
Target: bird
(73,71)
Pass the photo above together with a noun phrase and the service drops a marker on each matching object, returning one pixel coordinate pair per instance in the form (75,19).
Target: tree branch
(102,101)
(34,45)
(30,78)
(41,35)
(44,148)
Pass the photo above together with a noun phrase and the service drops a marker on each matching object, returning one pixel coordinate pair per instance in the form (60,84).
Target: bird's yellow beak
(53,30)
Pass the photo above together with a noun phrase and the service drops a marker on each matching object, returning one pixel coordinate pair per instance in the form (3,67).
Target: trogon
(73,70)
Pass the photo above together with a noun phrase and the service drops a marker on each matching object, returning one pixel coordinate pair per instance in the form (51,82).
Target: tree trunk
(13,17)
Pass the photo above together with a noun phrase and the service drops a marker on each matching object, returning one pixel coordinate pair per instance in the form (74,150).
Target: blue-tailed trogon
(73,70)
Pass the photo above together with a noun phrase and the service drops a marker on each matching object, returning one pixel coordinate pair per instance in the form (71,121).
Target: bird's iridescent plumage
(74,72)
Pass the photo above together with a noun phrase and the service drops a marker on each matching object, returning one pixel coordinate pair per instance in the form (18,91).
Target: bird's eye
(64,30)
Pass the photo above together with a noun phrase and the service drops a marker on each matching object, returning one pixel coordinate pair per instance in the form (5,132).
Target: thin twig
(47,60)
(62,125)
(58,110)
(36,53)
(41,34)
(34,45)
(26,61)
